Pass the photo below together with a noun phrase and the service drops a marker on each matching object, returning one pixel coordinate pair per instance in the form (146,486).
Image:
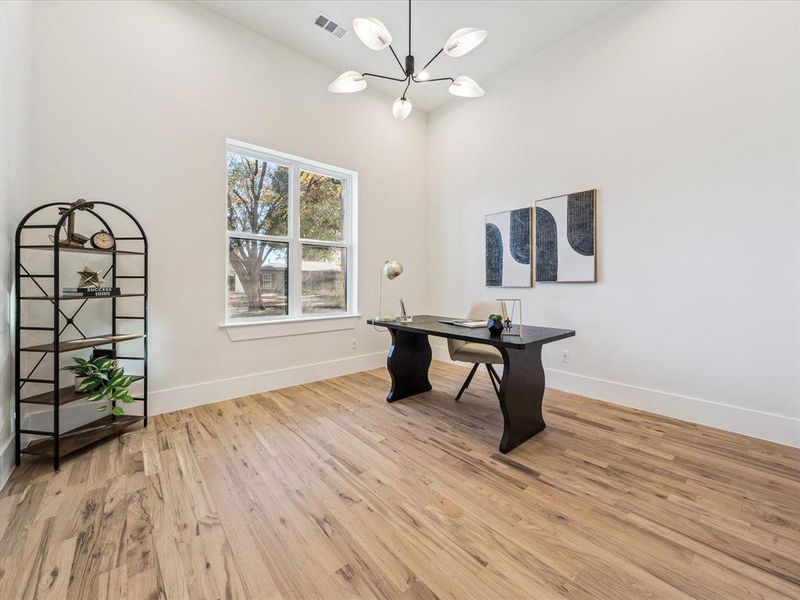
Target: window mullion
(348,238)
(296,250)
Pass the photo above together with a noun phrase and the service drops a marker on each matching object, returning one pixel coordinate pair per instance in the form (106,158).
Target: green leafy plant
(103,381)
(495,318)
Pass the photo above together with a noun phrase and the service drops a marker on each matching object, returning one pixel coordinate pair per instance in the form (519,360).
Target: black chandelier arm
(450,79)
(407,86)
(397,58)
(435,56)
(384,77)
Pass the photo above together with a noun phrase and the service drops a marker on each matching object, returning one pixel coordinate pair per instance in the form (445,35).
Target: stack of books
(90,291)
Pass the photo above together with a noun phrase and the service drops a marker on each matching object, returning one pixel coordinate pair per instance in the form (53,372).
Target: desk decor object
(495,325)
(404,316)
(50,324)
(565,238)
(508,316)
(521,387)
(90,292)
(102,240)
(72,239)
(90,278)
(90,285)
(508,249)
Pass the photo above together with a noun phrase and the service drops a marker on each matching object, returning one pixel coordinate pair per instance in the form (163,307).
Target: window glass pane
(323,279)
(258,278)
(321,207)
(258,196)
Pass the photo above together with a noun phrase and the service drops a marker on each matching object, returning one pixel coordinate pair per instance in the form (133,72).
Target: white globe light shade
(422,76)
(465,87)
(391,269)
(372,32)
(401,108)
(464,40)
(347,83)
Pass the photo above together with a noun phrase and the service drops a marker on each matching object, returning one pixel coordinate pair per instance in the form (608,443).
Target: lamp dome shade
(392,269)
(401,108)
(422,76)
(348,82)
(372,32)
(464,40)
(465,87)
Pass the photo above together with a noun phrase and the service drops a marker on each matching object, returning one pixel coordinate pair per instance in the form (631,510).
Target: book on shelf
(90,292)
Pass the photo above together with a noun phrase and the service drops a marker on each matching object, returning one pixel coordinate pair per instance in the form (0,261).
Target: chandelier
(376,36)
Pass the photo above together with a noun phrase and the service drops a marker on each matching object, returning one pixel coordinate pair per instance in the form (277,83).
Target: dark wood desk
(522,385)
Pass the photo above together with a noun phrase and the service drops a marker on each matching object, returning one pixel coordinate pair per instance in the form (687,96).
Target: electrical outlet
(565,356)
(354,344)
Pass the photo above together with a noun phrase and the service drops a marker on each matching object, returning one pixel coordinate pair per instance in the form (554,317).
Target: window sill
(253,330)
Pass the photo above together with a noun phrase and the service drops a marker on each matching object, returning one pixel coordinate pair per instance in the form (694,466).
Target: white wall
(133,102)
(685,118)
(16,20)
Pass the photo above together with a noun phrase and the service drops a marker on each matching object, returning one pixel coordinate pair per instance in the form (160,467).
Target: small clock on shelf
(102,240)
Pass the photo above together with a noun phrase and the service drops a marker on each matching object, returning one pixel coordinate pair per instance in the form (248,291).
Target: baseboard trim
(759,424)
(177,398)
(755,423)
(6,461)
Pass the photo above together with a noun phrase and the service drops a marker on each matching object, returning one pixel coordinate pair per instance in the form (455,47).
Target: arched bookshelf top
(65,210)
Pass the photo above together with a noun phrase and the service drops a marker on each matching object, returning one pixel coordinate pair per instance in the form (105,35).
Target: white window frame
(324,321)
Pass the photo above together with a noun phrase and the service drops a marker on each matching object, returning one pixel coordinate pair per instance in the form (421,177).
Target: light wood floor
(326,491)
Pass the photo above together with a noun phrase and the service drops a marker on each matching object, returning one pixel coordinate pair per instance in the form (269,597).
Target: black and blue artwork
(494,255)
(565,244)
(508,249)
(546,246)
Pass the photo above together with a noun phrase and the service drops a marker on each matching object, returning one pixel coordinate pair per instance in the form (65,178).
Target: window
(290,237)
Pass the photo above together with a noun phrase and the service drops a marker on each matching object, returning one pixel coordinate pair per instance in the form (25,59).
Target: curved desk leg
(521,393)
(408,362)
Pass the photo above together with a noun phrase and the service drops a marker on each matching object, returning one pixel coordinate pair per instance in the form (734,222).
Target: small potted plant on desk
(495,325)
(102,380)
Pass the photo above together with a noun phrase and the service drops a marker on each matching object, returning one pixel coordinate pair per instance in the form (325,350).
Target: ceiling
(517,29)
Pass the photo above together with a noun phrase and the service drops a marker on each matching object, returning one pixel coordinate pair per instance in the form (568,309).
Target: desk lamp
(391,269)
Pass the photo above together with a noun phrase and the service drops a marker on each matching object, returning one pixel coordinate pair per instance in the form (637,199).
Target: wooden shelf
(82,297)
(70,345)
(88,250)
(83,436)
(65,395)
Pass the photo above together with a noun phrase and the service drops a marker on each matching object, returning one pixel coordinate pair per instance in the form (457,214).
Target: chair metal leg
(467,381)
(493,373)
(492,377)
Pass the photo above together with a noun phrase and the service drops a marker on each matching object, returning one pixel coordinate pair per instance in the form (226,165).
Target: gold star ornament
(90,278)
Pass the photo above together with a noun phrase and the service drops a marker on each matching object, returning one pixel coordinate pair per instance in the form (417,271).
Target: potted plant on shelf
(102,379)
(495,325)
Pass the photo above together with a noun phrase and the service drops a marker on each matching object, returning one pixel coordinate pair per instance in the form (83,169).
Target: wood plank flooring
(326,491)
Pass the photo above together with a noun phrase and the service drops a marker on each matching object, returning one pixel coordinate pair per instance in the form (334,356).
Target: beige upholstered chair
(478,354)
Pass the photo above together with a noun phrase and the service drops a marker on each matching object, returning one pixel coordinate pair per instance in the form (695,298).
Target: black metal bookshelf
(67,336)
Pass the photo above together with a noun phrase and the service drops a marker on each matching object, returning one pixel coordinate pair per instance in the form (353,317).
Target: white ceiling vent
(330,26)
